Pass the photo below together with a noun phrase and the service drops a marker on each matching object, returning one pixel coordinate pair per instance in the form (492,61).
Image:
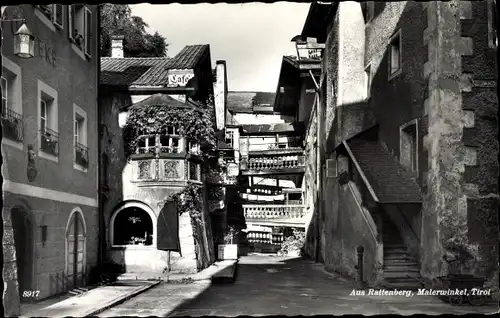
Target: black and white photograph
(250,158)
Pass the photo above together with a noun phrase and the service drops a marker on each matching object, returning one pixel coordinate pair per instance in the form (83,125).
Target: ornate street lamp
(24,43)
(24,40)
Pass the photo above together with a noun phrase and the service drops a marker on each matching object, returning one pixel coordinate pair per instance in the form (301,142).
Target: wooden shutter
(167,231)
(71,20)
(88,31)
(57,17)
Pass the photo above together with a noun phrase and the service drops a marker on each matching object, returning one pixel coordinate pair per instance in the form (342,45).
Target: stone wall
(462,193)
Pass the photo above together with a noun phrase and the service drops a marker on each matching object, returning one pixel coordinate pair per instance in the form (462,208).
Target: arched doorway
(132,225)
(23,226)
(76,248)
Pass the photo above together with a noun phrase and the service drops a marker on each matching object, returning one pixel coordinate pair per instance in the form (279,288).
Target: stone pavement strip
(93,301)
(160,301)
(128,286)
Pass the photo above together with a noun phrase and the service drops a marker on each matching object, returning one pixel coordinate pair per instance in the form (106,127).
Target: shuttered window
(88,31)
(168,228)
(58,15)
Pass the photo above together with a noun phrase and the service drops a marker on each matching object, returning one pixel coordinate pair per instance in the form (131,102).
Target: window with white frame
(395,57)
(80,137)
(80,27)
(11,111)
(54,13)
(170,141)
(368,80)
(229,137)
(146,144)
(48,123)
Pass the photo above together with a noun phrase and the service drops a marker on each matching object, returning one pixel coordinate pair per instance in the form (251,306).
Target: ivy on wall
(196,125)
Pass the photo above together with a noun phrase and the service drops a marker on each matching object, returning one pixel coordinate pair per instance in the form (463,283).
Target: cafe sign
(179,78)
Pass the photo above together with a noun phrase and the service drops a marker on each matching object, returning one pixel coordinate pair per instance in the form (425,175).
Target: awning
(387,177)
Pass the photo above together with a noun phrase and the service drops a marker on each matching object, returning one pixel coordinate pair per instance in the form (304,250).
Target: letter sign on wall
(179,78)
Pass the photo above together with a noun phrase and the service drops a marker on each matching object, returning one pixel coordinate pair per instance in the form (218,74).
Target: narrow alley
(273,285)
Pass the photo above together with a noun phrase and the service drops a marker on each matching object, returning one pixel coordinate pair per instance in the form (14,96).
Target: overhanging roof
(317,21)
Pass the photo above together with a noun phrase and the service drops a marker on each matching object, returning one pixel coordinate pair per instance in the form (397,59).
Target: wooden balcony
(275,215)
(273,164)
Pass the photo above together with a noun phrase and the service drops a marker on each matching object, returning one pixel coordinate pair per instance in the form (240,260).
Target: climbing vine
(196,125)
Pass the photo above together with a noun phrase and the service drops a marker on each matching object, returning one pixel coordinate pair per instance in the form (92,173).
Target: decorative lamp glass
(24,43)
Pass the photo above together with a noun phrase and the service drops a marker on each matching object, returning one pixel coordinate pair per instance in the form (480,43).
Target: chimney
(220,93)
(117,46)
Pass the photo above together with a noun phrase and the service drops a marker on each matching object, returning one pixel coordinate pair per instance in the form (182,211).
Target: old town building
(271,162)
(49,150)
(407,143)
(151,124)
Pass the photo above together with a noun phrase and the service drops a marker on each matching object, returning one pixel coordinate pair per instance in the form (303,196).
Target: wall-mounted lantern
(44,234)
(24,40)
(24,43)
(308,48)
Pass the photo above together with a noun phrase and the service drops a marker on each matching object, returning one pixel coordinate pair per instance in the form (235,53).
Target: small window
(146,144)
(80,137)
(368,80)
(80,26)
(53,13)
(170,142)
(409,147)
(395,58)
(50,137)
(229,137)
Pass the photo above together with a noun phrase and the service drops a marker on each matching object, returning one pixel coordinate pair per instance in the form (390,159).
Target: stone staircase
(401,270)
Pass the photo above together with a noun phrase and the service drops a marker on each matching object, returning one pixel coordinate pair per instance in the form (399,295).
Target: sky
(251,37)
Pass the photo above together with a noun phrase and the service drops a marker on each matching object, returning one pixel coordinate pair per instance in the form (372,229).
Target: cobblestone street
(271,285)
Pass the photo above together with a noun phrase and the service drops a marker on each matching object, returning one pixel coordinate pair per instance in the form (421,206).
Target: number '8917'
(31,293)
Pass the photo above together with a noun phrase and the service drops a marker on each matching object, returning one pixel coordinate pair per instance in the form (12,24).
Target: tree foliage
(117,19)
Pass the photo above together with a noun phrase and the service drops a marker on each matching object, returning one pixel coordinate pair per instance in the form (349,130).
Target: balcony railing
(285,214)
(50,141)
(82,155)
(292,142)
(264,237)
(273,162)
(12,123)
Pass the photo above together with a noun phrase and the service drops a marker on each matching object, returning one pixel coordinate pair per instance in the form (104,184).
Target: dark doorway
(133,226)
(23,239)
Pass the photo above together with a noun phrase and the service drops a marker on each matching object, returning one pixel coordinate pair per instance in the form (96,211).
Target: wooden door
(75,239)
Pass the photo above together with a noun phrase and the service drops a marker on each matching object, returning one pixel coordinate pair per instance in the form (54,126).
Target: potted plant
(229,250)
(293,245)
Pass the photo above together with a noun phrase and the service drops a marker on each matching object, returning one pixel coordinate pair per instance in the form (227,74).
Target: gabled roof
(148,71)
(244,102)
(389,180)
